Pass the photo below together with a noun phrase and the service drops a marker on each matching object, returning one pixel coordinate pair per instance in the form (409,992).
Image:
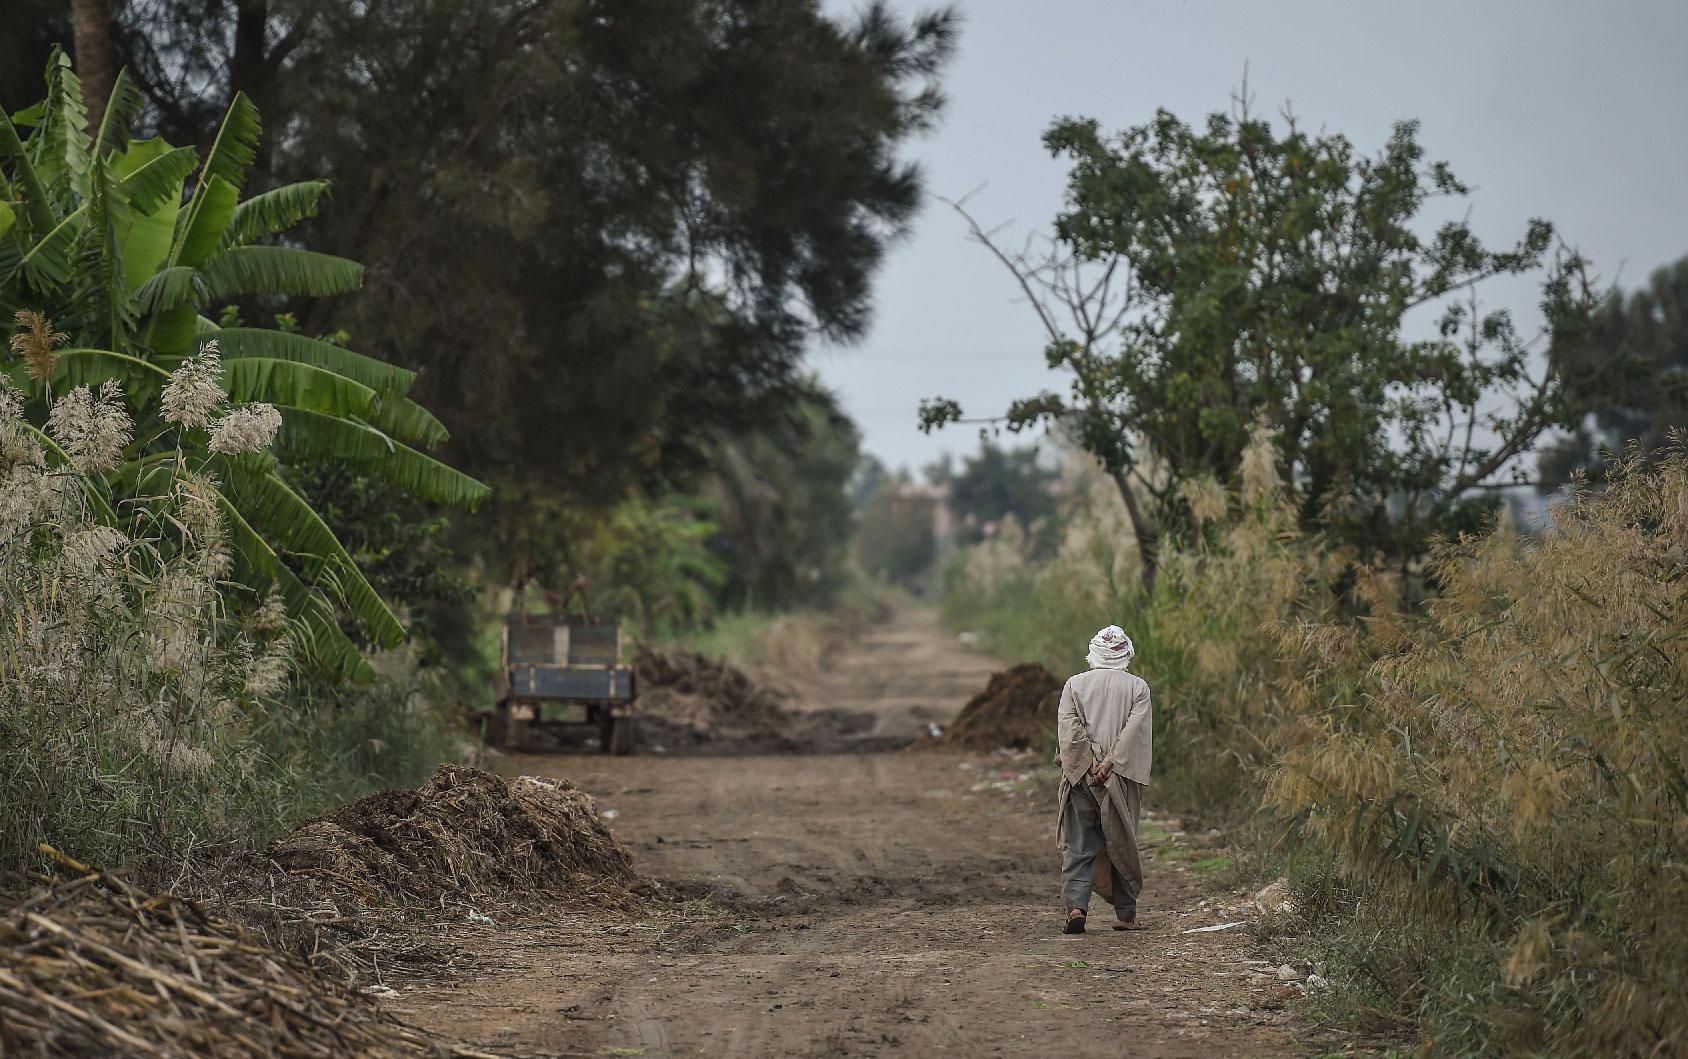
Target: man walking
(1104,731)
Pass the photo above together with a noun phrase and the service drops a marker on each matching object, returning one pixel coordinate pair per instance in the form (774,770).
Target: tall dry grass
(1512,768)
(1482,799)
(148,707)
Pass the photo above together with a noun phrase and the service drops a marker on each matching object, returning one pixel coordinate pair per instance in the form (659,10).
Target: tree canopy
(997,482)
(1203,279)
(601,232)
(1639,342)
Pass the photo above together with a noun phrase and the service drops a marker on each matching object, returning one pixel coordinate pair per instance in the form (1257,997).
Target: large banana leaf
(94,231)
(325,643)
(277,270)
(50,263)
(284,518)
(169,289)
(405,420)
(236,144)
(286,382)
(101,296)
(37,206)
(60,144)
(274,211)
(307,436)
(152,173)
(209,212)
(171,331)
(388,380)
(141,380)
(121,110)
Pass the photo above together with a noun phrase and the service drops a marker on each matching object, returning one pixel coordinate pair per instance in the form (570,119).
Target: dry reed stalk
(90,966)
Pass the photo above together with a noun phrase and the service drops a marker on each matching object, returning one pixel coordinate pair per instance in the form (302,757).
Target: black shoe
(1075,923)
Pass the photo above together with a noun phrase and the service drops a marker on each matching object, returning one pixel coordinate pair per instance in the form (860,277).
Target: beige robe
(1115,704)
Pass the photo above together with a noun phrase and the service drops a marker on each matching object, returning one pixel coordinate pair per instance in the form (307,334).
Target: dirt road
(893,903)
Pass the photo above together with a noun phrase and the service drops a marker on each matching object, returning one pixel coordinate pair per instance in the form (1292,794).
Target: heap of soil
(94,967)
(1016,709)
(691,698)
(464,835)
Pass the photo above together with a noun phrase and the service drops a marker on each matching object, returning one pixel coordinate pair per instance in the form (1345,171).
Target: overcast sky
(1572,111)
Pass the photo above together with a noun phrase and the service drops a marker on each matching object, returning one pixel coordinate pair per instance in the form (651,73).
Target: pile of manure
(464,836)
(1016,709)
(692,698)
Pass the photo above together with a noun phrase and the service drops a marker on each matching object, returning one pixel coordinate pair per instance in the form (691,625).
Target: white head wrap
(1111,649)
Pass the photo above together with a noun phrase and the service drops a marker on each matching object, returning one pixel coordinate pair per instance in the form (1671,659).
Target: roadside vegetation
(1457,729)
(290,421)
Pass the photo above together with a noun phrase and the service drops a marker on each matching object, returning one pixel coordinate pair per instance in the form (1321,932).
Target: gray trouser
(1081,841)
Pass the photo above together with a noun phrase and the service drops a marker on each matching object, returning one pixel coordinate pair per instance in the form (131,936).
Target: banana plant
(130,246)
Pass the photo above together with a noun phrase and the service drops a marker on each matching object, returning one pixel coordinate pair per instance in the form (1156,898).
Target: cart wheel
(620,741)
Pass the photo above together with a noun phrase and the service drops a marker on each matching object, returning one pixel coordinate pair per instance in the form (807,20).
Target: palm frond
(122,108)
(274,211)
(277,270)
(405,420)
(295,385)
(37,206)
(326,644)
(312,436)
(388,380)
(236,144)
(284,518)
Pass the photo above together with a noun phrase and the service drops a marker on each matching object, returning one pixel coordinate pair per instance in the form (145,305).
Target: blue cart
(565,672)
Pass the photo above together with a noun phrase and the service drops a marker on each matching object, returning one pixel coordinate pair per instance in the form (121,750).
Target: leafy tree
(621,222)
(896,535)
(125,244)
(1203,279)
(779,496)
(645,561)
(1641,341)
(997,482)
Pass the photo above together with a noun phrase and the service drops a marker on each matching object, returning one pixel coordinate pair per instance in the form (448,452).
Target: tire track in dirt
(858,905)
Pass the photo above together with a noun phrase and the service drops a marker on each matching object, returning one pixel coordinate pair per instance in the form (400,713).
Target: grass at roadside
(1478,802)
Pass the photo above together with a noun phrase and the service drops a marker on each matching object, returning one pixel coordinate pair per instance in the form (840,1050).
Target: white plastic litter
(1209,930)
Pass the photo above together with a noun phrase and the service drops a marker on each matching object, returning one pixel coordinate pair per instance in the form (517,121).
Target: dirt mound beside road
(464,835)
(690,701)
(1016,709)
(702,698)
